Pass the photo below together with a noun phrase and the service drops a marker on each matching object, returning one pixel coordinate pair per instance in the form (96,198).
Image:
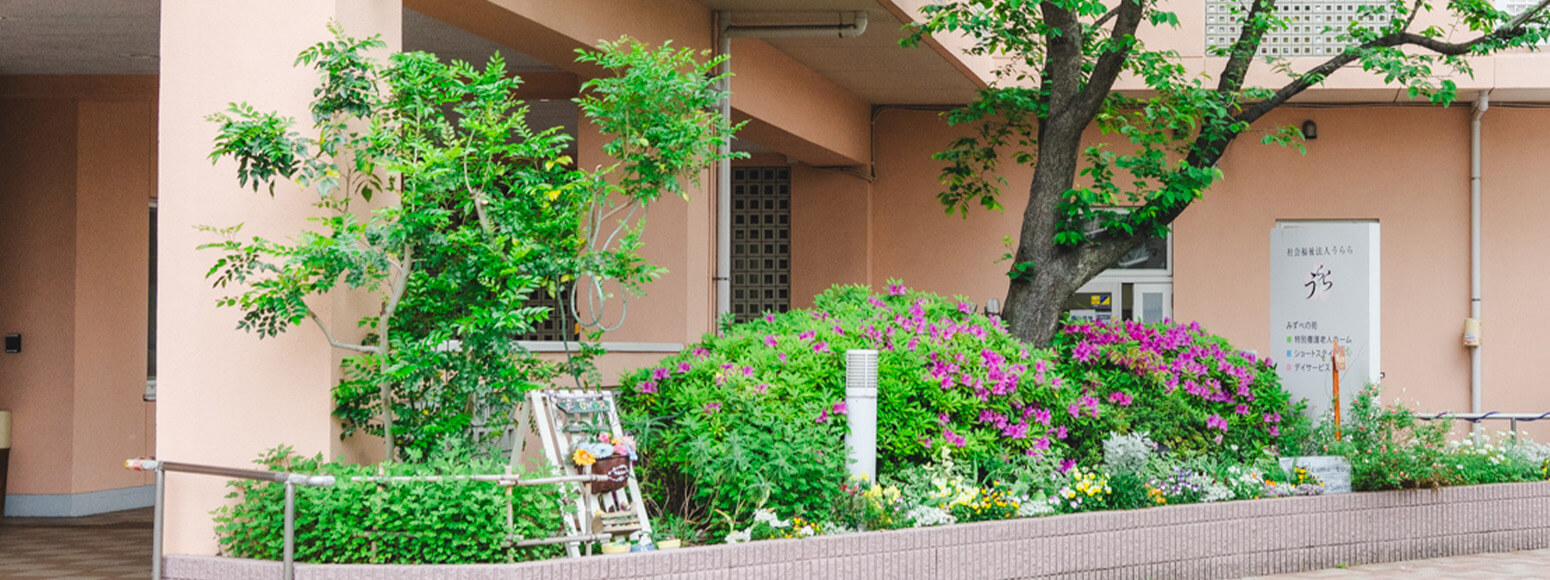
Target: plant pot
(671,544)
(616,548)
(616,468)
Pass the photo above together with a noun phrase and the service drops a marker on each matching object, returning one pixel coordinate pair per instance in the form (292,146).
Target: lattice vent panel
(551,329)
(1313,26)
(761,241)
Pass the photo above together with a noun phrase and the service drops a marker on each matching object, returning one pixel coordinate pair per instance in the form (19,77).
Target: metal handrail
(291,480)
(1476,418)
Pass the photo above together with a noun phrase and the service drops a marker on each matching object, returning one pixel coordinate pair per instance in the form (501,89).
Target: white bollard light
(861,406)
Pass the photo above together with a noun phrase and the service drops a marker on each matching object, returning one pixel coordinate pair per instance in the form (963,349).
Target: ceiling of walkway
(873,65)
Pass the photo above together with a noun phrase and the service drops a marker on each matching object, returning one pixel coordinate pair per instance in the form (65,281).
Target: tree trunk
(1033,302)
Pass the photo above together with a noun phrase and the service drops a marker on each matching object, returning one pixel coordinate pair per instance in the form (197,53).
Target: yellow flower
(583,458)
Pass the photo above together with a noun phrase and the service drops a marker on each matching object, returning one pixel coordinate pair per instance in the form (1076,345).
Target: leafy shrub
(1189,390)
(448,522)
(753,418)
(750,418)
(1390,448)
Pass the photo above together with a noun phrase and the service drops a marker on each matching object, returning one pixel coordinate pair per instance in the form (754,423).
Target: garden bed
(1215,540)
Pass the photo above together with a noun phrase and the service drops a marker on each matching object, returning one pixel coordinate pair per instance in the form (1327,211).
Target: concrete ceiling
(79,36)
(873,65)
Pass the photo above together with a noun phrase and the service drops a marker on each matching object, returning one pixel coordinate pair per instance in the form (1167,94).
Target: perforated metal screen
(761,241)
(1312,25)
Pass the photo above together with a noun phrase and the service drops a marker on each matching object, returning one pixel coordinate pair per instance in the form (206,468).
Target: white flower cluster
(764,516)
(739,536)
(1127,454)
(1030,508)
(925,516)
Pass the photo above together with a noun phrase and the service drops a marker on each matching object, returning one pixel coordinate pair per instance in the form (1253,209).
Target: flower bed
(1217,540)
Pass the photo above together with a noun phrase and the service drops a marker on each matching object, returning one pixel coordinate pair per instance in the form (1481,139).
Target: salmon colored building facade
(102,118)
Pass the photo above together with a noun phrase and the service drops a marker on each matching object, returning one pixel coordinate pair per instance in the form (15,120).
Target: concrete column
(679,236)
(224,395)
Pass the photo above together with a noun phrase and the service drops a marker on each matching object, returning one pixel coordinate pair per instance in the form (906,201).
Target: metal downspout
(1475,380)
(725,33)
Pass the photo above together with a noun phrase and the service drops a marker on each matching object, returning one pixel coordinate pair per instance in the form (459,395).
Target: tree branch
(1255,25)
(1506,31)
(401,283)
(1112,62)
(1062,58)
(330,336)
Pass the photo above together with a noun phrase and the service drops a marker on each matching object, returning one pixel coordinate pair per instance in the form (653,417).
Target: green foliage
(450,522)
(488,212)
(1390,448)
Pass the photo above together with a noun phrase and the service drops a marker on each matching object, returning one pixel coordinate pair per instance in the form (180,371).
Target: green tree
(481,212)
(1064,59)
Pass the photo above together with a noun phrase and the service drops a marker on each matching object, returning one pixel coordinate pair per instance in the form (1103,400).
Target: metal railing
(1476,418)
(291,480)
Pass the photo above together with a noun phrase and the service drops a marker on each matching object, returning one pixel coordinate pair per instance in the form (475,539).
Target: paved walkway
(113,545)
(1510,565)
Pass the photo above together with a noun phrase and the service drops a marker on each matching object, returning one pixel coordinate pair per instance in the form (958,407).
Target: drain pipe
(1472,326)
(723,275)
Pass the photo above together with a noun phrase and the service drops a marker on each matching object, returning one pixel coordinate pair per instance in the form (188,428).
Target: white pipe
(723,274)
(861,412)
(1475,375)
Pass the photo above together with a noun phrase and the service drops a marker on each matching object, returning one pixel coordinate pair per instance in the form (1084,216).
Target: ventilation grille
(551,329)
(761,241)
(1313,27)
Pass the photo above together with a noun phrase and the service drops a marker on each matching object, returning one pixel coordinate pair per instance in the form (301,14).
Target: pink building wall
(76,175)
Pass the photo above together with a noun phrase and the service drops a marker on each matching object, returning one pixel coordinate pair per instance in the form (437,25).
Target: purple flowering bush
(1189,389)
(772,390)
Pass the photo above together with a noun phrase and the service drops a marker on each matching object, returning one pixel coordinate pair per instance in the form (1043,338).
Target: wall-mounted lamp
(993,307)
(1310,130)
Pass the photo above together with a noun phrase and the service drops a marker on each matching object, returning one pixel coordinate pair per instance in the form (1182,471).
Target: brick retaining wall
(1222,540)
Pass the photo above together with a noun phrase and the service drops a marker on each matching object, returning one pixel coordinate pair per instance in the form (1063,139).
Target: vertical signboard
(1324,286)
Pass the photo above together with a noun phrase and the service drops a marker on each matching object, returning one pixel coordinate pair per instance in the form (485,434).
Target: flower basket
(616,468)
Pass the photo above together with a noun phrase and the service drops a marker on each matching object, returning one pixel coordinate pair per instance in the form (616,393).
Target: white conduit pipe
(1475,380)
(723,274)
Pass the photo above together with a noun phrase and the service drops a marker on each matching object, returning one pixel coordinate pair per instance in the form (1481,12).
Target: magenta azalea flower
(712,408)
(1084,351)
(821,346)
(841,408)
(684,367)
(769,317)
(700,352)
(966,308)
(823,416)
(1120,398)
(954,438)
(770,340)
(806,335)
(1216,422)
(648,387)
(1066,465)
(658,374)
(896,289)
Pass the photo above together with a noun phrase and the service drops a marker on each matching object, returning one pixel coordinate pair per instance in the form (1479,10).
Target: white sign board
(1324,286)
(1333,470)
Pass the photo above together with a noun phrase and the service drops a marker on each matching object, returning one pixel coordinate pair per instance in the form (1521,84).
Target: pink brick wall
(1225,540)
